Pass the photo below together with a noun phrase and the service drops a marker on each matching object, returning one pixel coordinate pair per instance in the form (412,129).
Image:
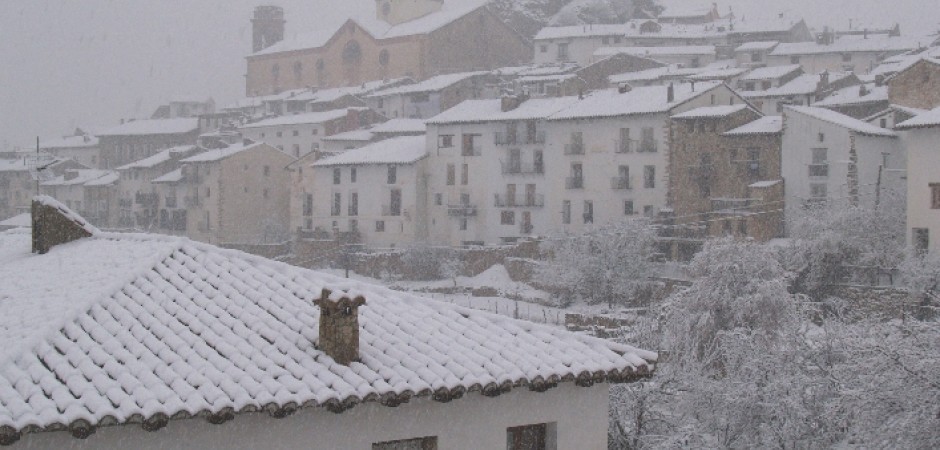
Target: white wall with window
(923,188)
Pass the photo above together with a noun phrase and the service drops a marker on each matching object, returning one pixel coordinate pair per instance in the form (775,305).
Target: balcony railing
(503,138)
(388,211)
(523,201)
(819,170)
(574,183)
(648,146)
(520,168)
(620,183)
(574,149)
(471,150)
(461,210)
(625,146)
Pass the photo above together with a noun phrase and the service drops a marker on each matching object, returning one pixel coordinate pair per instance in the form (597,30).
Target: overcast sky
(88,63)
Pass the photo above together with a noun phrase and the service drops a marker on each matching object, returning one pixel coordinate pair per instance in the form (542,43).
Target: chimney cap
(339,299)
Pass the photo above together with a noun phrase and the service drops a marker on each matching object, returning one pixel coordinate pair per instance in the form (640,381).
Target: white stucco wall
(473,422)
(860,62)
(923,168)
(309,136)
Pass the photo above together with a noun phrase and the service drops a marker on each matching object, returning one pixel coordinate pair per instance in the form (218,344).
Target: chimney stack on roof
(54,224)
(339,325)
(511,102)
(670,93)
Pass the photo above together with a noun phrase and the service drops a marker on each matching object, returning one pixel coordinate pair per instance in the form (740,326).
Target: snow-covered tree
(611,264)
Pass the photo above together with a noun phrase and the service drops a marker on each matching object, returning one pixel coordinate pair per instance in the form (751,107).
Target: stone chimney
(339,325)
(623,88)
(670,93)
(54,224)
(879,80)
(511,102)
(862,90)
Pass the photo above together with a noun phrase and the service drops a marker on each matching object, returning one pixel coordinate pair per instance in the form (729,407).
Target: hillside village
(611,177)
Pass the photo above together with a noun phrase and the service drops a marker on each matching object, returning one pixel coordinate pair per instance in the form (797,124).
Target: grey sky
(88,63)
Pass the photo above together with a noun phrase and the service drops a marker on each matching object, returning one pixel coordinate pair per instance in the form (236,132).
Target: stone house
(917,86)
(139,139)
(920,136)
(153,342)
(376,193)
(832,160)
(725,160)
(425,38)
(235,195)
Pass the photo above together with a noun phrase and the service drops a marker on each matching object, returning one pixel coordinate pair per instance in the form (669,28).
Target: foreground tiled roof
(127,328)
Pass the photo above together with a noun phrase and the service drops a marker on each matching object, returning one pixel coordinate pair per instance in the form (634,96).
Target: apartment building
(376,194)
(920,136)
(846,54)
(429,97)
(300,134)
(139,139)
(20,178)
(138,199)
(81,147)
(90,192)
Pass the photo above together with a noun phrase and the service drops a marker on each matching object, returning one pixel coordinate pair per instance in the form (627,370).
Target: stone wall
(916,87)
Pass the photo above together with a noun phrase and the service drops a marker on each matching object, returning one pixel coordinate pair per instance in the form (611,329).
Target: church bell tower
(267,27)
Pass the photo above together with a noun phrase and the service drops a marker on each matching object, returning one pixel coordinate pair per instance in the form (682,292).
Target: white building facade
(920,136)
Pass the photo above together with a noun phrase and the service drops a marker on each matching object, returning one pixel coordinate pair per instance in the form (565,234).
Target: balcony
(471,150)
(819,170)
(525,201)
(648,146)
(147,200)
(628,146)
(461,210)
(574,183)
(519,168)
(574,149)
(504,139)
(388,211)
(620,183)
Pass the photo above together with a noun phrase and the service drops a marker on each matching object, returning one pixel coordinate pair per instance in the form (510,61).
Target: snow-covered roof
(843,45)
(772,72)
(395,126)
(14,165)
(67,213)
(671,71)
(70,142)
(756,46)
(158,158)
(220,154)
(24,220)
(451,11)
(300,119)
(852,95)
(127,328)
(581,31)
(74,177)
(433,84)
(685,11)
(719,74)
(641,100)
(850,123)
(482,111)
(399,150)
(354,135)
(925,120)
(912,112)
(765,184)
(763,125)
(148,127)
(804,84)
(686,50)
(173,177)
(707,112)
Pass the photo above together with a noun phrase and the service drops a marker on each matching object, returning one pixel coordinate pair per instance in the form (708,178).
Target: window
(465,174)
(628,208)
(821,137)
(563,52)
(649,141)
(846,57)
(425,443)
(337,204)
(438,199)
(935,196)
(818,191)
(392,174)
(280,134)
(208,194)
(508,218)
(605,40)
(757,57)
(753,163)
(384,57)
(337,176)
(445,141)
(649,211)
(566,212)
(649,177)
(316,131)
(469,145)
(379,226)
(530,437)
(298,71)
(395,203)
(543,48)
(920,238)
(463,224)
(354,204)
(794,60)
(296,133)
(884,123)
(308,205)
(820,164)
(588,211)
(451,175)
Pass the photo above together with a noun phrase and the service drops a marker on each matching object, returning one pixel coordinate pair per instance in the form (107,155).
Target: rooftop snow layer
(842,120)
(128,328)
(24,220)
(173,177)
(153,127)
(399,150)
(354,135)
(756,46)
(395,126)
(598,30)
(482,111)
(641,100)
(158,158)
(852,95)
(771,73)
(300,119)
(764,125)
(220,154)
(70,142)
(690,50)
(872,44)
(804,84)
(432,84)
(925,120)
(82,177)
(710,112)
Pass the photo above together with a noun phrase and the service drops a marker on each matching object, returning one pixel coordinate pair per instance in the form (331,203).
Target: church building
(406,38)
